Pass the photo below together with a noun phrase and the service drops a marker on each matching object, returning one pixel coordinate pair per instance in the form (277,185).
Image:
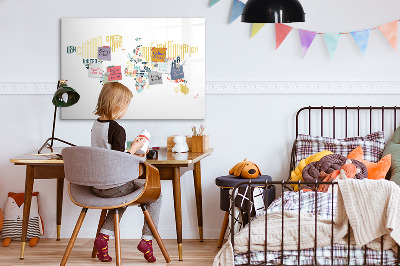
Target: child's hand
(137,144)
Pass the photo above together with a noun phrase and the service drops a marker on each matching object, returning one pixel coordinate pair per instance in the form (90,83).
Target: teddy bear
(180,144)
(13,215)
(245,169)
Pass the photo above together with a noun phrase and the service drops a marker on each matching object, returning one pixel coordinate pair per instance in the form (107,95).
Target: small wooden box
(171,143)
(200,143)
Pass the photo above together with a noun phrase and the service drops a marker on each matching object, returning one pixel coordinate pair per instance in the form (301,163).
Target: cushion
(329,164)
(372,144)
(296,174)
(375,170)
(393,148)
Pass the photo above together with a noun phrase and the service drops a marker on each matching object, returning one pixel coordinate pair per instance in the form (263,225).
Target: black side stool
(226,183)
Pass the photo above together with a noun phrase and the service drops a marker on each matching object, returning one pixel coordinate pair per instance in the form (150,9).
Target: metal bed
(304,118)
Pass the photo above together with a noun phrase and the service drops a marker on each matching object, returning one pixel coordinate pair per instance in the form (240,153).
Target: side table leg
(199,203)
(176,184)
(223,229)
(60,190)
(27,206)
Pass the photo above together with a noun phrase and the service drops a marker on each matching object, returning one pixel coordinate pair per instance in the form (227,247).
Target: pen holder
(200,143)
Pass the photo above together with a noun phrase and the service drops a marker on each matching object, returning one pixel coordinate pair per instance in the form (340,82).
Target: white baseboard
(248,87)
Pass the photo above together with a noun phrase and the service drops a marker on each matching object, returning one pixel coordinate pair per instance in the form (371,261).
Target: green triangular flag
(332,41)
(213,2)
(256,27)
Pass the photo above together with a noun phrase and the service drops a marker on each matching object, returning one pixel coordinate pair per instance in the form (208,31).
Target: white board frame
(164,101)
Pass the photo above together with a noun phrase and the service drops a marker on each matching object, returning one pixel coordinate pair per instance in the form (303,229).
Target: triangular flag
(213,2)
(306,39)
(255,28)
(332,41)
(361,37)
(390,32)
(281,31)
(237,9)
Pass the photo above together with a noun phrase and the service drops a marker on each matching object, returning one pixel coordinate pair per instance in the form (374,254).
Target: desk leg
(27,206)
(60,190)
(176,182)
(199,204)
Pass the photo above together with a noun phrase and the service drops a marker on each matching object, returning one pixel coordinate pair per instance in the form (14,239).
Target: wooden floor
(50,252)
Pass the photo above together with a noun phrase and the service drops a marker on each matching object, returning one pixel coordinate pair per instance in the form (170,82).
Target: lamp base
(50,146)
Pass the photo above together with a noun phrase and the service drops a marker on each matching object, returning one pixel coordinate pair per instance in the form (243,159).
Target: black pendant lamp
(273,11)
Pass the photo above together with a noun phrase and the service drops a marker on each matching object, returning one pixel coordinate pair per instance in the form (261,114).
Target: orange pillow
(375,170)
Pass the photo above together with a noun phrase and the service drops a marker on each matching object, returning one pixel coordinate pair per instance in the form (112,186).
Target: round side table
(226,183)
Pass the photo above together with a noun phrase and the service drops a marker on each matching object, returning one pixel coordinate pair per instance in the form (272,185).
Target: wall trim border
(248,87)
(303,87)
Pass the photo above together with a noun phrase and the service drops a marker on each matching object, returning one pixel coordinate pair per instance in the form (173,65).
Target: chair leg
(223,229)
(154,230)
(101,222)
(73,237)
(117,239)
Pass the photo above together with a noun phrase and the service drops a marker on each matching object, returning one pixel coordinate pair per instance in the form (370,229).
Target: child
(112,104)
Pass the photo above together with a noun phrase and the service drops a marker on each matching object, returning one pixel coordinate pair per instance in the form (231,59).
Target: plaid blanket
(323,205)
(340,254)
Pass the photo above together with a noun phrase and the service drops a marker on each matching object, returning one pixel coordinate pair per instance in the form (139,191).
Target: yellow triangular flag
(256,28)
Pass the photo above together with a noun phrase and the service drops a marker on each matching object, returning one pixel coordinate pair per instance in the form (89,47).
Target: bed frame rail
(343,118)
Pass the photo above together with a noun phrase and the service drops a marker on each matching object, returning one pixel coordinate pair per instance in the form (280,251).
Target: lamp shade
(273,11)
(70,97)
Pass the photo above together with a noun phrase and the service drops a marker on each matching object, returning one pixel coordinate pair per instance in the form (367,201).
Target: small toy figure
(180,144)
(246,169)
(13,215)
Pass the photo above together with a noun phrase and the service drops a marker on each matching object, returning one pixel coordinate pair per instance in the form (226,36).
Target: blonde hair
(113,98)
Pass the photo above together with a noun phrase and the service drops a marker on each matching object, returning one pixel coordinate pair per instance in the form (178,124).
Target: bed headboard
(344,121)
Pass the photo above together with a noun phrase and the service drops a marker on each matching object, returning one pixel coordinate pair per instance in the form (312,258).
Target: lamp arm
(54,126)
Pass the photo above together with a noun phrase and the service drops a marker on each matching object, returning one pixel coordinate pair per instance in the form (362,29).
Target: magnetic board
(161,60)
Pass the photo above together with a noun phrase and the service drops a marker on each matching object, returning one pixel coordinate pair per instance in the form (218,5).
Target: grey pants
(154,208)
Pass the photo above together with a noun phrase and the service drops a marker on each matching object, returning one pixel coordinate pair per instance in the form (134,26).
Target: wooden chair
(85,167)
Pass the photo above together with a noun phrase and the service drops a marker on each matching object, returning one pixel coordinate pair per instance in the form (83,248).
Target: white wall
(259,127)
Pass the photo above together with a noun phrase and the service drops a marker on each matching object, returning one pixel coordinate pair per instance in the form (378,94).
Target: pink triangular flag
(389,30)
(281,31)
(306,39)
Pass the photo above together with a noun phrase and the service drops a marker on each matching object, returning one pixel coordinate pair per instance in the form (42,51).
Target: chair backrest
(92,166)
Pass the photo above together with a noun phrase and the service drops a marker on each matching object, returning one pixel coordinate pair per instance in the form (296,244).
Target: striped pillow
(372,145)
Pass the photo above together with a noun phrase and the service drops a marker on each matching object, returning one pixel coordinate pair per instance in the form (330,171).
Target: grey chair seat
(83,196)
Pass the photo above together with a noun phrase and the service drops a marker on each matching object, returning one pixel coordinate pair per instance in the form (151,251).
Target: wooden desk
(171,167)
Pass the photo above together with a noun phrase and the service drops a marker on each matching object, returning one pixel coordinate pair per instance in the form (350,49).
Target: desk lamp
(64,97)
(273,11)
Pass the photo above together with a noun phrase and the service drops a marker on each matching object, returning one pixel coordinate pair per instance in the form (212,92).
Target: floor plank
(50,252)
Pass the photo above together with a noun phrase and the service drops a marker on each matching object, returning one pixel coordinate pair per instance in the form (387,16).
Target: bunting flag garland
(281,31)
(361,37)
(256,27)
(237,9)
(213,2)
(389,30)
(332,41)
(306,39)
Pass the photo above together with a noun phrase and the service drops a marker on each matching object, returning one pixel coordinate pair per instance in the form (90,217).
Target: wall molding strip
(248,87)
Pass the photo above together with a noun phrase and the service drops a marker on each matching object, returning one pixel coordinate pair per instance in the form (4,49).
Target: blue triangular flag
(361,37)
(332,41)
(213,2)
(237,9)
